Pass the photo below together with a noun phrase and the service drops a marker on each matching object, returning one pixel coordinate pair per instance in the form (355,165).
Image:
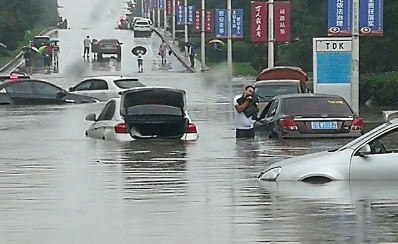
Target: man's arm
(243,106)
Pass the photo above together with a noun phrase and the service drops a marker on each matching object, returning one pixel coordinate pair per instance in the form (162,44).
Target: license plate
(329,125)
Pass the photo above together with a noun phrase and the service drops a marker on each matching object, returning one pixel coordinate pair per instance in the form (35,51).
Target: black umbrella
(188,44)
(138,49)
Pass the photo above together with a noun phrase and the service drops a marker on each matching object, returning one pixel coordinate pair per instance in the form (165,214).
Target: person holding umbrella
(139,51)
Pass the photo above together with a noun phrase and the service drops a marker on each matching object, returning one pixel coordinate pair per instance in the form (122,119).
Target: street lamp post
(186,25)
(203,38)
(229,39)
(271,40)
(174,19)
(355,57)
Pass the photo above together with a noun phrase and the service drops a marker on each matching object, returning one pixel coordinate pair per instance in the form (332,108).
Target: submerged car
(309,115)
(372,156)
(144,113)
(29,92)
(105,87)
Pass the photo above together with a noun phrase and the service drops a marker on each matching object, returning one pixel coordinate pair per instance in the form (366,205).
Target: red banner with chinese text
(282,21)
(209,21)
(197,24)
(259,20)
(169,8)
(155,4)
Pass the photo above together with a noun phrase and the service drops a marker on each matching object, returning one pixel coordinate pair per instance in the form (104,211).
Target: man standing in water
(244,125)
(87,44)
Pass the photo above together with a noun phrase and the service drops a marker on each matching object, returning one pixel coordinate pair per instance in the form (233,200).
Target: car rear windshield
(142,23)
(316,105)
(266,93)
(108,41)
(128,83)
(154,109)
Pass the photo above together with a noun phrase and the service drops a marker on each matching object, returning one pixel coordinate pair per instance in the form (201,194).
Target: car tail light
(14,77)
(288,124)
(121,128)
(357,124)
(192,128)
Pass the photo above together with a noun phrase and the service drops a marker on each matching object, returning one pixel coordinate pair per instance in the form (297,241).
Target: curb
(174,51)
(18,58)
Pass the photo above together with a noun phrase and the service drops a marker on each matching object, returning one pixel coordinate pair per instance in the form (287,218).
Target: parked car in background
(157,113)
(105,87)
(309,115)
(39,41)
(32,92)
(279,80)
(109,46)
(372,156)
(142,27)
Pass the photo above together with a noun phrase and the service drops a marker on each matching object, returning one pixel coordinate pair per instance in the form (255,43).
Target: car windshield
(266,93)
(142,23)
(128,83)
(108,41)
(316,105)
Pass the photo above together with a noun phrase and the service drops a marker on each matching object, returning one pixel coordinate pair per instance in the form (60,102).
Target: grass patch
(239,69)
(10,55)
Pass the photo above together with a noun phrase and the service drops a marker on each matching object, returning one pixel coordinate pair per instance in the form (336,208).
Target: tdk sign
(333,46)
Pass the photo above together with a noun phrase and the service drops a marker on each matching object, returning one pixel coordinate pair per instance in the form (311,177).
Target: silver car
(372,156)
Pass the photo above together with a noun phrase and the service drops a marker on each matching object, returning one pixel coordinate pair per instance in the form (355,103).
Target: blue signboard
(221,23)
(340,17)
(237,23)
(371,18)
(162,4)
(329,62)
(181,15)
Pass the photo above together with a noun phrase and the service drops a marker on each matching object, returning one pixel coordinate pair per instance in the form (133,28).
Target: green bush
(382,88)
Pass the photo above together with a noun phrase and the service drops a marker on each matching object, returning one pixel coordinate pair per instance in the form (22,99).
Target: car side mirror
(71,89)
(91,117)
(365,150)
(121,43)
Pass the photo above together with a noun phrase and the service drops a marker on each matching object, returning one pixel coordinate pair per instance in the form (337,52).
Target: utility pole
(271,38)
(229,39)
(174,19)
(165,15)
(186,25)
(355,57)
(203,38)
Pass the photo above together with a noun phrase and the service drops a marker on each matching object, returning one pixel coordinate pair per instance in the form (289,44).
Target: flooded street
(57,186)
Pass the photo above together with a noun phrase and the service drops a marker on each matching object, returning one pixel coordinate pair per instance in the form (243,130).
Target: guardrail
(19,57)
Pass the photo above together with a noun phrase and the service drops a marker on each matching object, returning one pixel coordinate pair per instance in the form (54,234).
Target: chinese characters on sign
(161,4)
(259,25)
(370,17)
(237,21)
(282,21)
(198,24)
(191,10)
(180,15)
(221,23)
(169,8)
(209,21)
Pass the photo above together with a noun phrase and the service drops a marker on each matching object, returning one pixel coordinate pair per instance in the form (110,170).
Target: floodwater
(57,186)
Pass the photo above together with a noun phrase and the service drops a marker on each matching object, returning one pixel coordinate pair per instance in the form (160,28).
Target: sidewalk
(175,48)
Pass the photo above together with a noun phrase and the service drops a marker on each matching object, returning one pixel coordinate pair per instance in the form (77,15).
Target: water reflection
(106,64)
(154,169)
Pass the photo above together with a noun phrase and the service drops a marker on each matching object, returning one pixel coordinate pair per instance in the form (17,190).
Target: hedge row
(381,88)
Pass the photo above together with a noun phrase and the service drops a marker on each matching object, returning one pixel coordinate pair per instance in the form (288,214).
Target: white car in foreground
(372,156)
(105,87)
(144,113)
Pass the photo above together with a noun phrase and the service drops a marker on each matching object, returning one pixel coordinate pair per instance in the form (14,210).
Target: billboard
(282,21)
(340,17)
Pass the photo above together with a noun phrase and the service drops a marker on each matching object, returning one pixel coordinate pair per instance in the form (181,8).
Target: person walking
(192,52)
(163,51)
(140,61)
(244,124)
(56,51)
(28,61)
(87,45)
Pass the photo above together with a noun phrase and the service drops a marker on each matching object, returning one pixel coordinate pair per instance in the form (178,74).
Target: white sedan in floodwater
(372,156)
(144,113)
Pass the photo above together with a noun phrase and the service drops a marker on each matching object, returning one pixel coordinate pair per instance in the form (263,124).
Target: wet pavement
(56,186)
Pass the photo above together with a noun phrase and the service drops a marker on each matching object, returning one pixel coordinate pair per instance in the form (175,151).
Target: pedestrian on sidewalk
(192,53)
(163,51)
(87,45)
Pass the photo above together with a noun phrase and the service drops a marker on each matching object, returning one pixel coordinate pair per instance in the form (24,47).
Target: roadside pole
(158,16)
(355,57)
(229,39)
(174,20)
(271,40)
(164,15)
(203,38)
(154,16)
(186,25)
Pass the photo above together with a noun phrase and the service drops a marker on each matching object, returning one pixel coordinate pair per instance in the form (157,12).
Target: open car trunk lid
(154,112)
